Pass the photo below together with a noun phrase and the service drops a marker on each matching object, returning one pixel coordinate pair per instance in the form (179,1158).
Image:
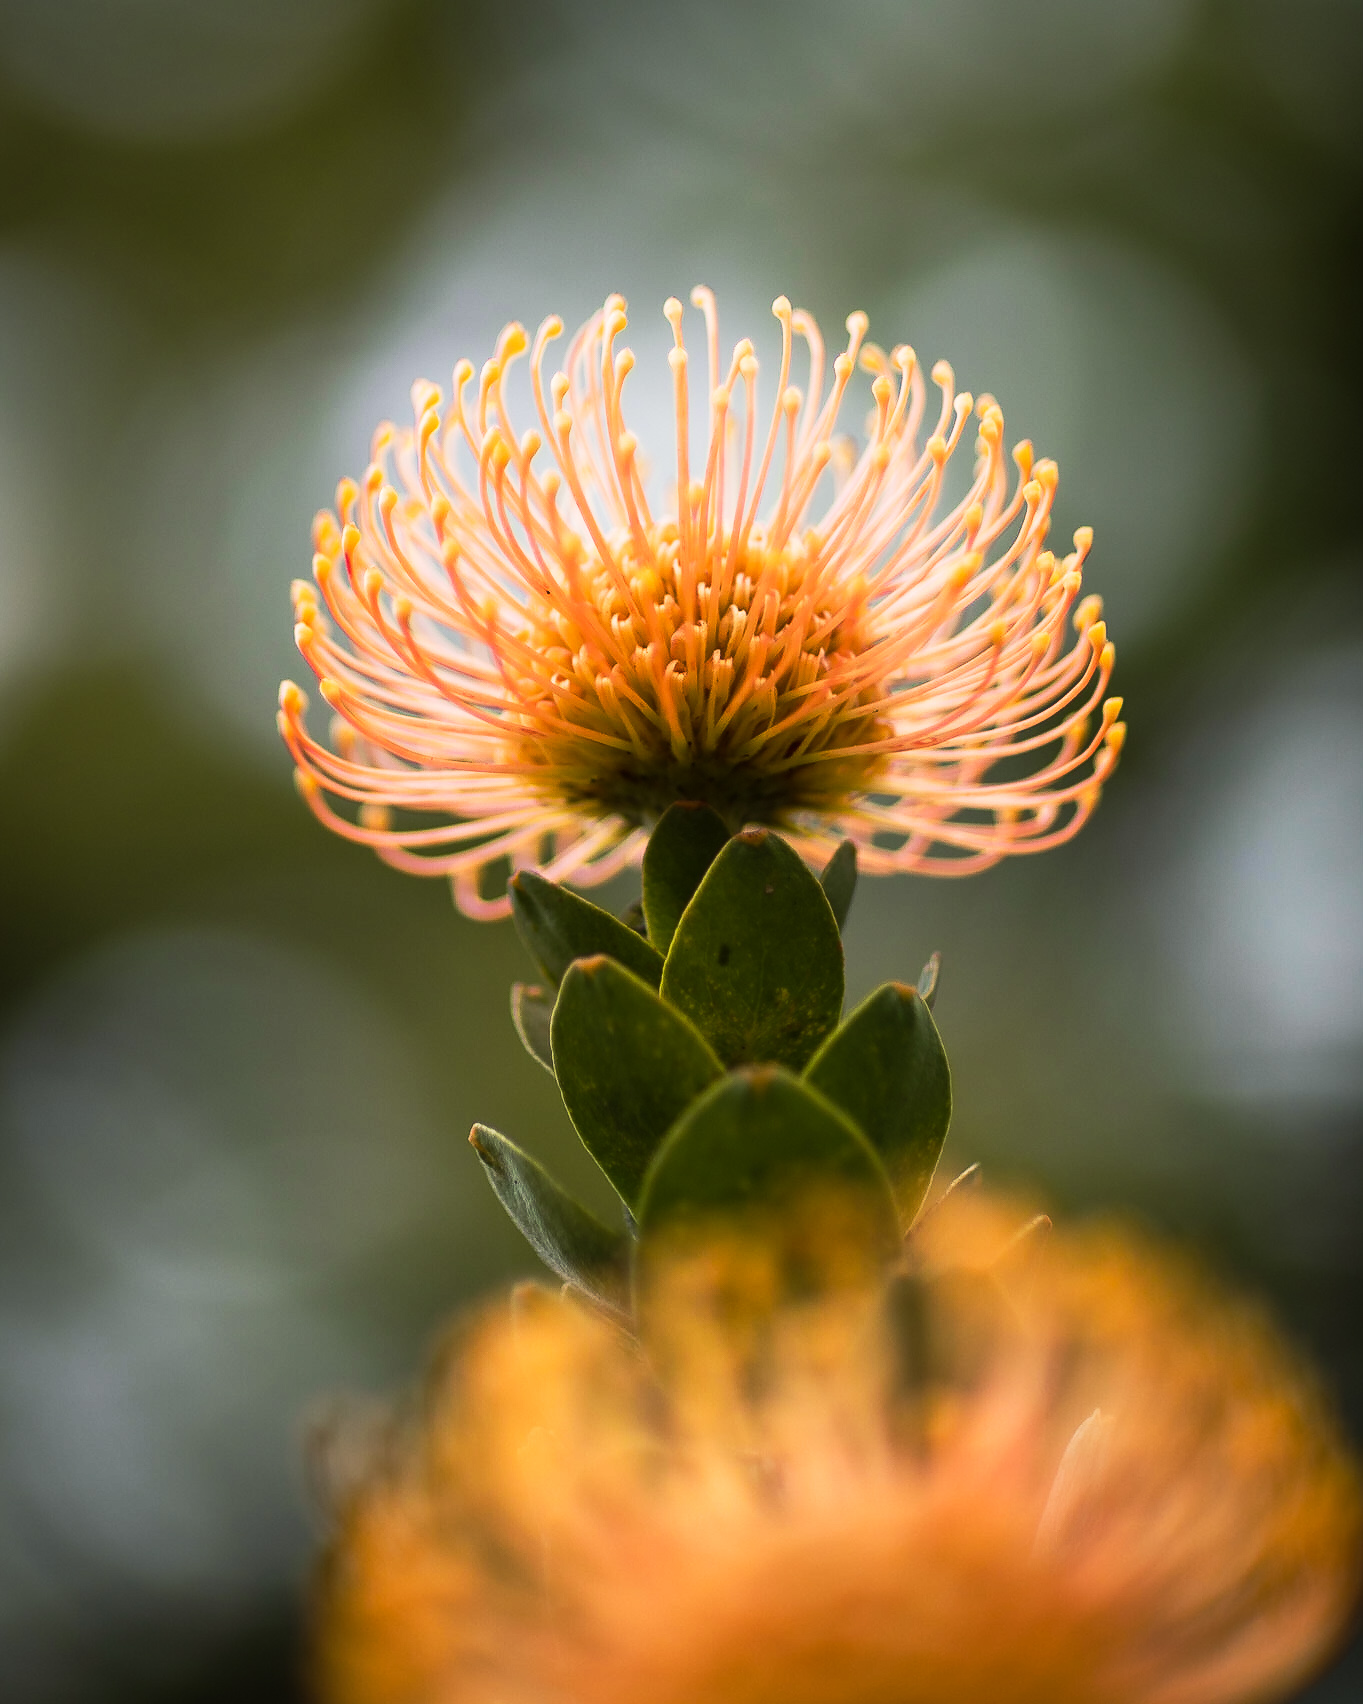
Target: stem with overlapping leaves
(702,1054)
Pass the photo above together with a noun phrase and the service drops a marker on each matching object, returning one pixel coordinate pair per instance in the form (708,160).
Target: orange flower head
(1094,1483)
(528,663)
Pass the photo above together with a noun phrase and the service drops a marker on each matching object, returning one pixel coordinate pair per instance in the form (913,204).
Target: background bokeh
(238,1059)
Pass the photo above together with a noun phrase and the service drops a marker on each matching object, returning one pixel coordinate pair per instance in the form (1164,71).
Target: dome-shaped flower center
(741,681)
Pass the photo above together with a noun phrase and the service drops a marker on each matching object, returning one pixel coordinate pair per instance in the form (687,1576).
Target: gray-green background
(238,1059)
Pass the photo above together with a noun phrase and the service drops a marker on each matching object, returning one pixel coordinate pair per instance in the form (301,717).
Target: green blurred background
(238,1059)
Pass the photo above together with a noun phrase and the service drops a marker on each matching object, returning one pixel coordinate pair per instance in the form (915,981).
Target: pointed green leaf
(886,1068)
(968,1180)
(839,881)
(756,962)
(688,839)
(928,978)
(628,1066)
(531,1010)
(757,1139)
(567,1238)
(559,926)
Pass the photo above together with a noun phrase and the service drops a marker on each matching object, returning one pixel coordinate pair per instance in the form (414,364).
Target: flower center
(746,680)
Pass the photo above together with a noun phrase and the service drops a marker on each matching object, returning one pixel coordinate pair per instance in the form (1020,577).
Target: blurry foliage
(132,823)
(235,231)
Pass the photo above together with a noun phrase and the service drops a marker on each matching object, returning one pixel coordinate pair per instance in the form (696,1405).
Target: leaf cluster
(704,1060)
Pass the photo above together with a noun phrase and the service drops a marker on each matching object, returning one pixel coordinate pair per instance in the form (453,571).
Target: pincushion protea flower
(527,664)
(1104,1487)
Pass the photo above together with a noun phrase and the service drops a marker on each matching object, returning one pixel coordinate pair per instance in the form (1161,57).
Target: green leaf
(559,926)
(531,1010)
(568,1239)
(627,1066)
(928,978)
(968,1180)
(839,881)
(688,839)
(886,1068)
(756,962)
(759,1139)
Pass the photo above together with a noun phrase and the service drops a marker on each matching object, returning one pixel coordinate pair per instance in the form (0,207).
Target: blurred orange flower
(1097,1483)
(527,664)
